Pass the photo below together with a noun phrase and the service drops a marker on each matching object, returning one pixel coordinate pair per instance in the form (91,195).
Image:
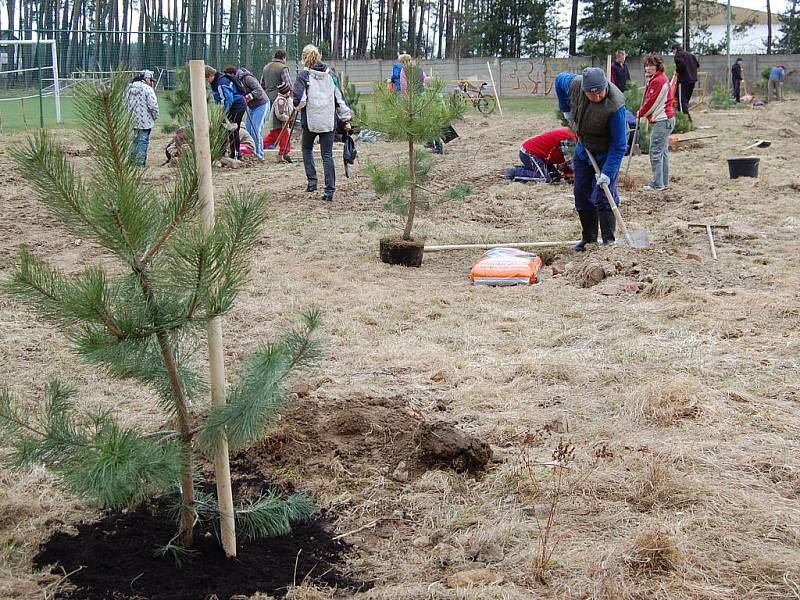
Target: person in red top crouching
(542,157)
(657,108)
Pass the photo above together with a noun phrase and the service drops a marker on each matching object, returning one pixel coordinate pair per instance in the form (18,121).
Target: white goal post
(54,57)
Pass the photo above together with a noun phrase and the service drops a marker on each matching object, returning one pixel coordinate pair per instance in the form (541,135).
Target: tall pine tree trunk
(769,29)
(247,16)
(573,29)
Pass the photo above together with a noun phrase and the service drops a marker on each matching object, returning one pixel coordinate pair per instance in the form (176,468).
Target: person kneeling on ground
(657,107)
(542,157)
(595,109)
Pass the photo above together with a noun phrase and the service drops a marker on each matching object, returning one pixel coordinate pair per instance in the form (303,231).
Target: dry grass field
(675,378)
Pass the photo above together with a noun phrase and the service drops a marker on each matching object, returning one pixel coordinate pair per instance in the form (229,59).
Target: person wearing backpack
(228,93)
(280,113)
(321,102)
(257,106)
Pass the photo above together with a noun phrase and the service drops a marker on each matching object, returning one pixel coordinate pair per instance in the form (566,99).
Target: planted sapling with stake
(140,320)
(415,116)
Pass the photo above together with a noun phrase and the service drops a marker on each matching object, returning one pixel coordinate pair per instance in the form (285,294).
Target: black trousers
(686,91)
(235,117)
(737,89)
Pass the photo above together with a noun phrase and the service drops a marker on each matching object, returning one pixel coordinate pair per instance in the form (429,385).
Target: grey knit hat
(594,80)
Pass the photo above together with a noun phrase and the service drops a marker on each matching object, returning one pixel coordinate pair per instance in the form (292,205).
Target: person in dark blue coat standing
(595,109)
(620,75)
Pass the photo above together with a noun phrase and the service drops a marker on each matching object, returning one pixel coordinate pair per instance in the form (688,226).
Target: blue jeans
(588,195)
(326,147)
(141,140)
(659,152)
(253,123)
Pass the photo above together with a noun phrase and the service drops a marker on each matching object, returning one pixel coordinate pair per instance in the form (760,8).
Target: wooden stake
(509,245)
(608,69)
(494,88)
(202,150)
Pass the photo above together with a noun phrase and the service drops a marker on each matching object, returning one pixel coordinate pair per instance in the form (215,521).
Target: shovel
(637,239)
(758,144)
(633,146)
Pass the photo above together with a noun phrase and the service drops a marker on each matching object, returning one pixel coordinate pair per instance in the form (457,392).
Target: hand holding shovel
(639,239)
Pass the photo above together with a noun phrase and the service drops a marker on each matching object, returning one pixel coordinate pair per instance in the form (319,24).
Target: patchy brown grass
(691,383)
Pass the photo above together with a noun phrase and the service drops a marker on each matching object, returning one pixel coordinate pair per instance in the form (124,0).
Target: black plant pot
(397,251)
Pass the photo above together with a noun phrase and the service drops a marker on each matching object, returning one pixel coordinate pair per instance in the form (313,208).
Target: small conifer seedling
(415,116)
(139,319)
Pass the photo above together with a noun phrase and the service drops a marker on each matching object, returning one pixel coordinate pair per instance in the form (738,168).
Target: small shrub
(682,123)
(459,191)
(721,98)
(633,97)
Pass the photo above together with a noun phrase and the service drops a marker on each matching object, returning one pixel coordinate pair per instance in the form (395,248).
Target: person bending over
(595,110)
(542,157)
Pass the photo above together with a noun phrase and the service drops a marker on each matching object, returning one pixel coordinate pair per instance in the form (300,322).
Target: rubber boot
(608,222)
(589,229)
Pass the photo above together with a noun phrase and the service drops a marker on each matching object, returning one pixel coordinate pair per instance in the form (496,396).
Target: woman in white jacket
(321,102)
(143,105)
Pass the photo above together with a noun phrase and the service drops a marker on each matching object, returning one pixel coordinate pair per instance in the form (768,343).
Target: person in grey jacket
(257,105)
(141,101)
(321,102)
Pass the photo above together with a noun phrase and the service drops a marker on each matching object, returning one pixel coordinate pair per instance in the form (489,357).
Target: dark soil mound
(114,558)
(315,436)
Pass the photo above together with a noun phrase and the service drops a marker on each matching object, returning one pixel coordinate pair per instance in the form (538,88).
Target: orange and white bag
(506,266)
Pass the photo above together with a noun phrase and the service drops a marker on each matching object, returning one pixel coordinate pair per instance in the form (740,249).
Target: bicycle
(467,92)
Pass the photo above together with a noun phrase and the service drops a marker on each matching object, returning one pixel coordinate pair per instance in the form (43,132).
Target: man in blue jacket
(595,109)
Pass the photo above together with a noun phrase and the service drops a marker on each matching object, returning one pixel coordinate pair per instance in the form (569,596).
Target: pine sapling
(415,116)
(140,321)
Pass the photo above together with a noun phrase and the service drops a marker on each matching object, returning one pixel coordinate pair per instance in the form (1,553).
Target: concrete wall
(534,76)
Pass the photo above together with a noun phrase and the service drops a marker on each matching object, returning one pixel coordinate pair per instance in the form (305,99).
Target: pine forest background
(103,34)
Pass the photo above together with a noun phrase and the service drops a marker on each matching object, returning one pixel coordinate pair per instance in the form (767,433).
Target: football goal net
(29,81)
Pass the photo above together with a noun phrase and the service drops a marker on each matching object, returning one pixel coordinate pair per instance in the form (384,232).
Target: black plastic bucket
(746,166)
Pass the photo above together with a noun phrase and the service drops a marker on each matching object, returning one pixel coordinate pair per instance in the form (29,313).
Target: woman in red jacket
(657,108)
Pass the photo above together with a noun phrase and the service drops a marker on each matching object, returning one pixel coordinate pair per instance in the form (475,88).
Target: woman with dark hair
(228,93)
(657,108)
(256,100)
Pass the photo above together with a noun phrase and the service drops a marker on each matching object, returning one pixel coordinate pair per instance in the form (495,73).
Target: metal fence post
(39,73)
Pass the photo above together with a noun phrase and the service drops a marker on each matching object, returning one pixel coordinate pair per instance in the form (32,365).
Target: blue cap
(594,80)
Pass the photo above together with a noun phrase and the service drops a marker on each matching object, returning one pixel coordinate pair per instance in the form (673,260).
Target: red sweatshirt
(547,145)
(657,104)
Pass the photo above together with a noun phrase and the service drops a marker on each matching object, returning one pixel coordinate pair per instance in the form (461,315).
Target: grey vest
(591,118)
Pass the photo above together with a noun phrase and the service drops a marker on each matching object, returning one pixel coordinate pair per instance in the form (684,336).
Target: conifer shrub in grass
(414,117)
(139,320)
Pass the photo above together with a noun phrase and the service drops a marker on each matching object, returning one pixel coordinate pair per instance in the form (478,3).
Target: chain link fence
(30,68)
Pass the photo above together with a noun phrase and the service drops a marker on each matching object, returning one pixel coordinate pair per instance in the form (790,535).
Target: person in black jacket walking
(686,65)
(620,75)
(736,79)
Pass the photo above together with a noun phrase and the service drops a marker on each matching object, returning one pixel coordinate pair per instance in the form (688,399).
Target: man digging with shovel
(595,109)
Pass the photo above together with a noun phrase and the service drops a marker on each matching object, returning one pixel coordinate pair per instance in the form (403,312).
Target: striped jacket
(657,104)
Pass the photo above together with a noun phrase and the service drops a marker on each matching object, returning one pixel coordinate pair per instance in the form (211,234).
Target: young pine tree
(140,319)
(414,117)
